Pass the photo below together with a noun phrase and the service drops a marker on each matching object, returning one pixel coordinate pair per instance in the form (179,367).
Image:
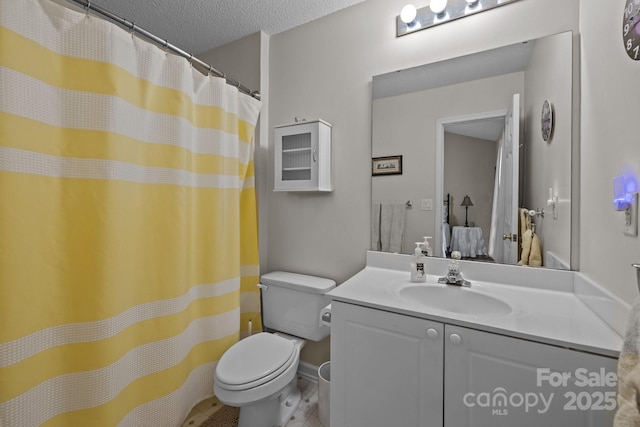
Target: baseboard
(308,371)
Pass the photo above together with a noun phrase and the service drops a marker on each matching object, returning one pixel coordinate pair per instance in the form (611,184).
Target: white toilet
(258,373)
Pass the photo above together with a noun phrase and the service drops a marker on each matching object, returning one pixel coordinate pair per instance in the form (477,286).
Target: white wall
(609,146)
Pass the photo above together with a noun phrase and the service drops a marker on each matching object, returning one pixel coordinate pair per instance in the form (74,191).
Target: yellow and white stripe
(127,125)
(128,231)
(24,161)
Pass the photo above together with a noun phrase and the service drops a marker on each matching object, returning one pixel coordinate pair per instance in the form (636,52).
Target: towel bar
(533,213)
(637,267)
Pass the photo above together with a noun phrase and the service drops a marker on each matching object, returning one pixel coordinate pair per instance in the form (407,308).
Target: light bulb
(438,6)
(408,14)
(473,6)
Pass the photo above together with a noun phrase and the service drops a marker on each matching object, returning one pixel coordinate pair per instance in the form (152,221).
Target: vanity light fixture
(472,6)
(408,14)
(439,12)
(438,7)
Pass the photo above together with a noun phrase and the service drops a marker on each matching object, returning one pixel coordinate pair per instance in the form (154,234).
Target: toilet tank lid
(301,282)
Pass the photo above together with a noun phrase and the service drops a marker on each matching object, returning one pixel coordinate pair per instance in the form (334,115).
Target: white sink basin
(455,299)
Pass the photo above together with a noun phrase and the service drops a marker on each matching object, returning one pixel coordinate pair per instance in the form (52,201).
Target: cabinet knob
(455,339)
(432,333)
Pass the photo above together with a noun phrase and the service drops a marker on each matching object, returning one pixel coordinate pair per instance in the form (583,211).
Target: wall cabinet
(391,369)
(303,157)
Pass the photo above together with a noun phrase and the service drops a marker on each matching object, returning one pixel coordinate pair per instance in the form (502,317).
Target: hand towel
(524,221)
(527,237)
(446,237)
(628,412)
(375,227)
(531,253)
(535,254)
(392,216)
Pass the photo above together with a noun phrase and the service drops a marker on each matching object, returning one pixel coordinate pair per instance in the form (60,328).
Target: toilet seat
(254,361)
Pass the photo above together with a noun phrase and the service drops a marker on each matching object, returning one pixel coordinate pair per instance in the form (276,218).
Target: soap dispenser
(418,270)
(426,248)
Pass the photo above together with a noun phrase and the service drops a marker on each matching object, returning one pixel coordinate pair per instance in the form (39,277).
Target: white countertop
(555,317)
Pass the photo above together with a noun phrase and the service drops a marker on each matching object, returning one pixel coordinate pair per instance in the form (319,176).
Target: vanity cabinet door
(498,381)
(387,369)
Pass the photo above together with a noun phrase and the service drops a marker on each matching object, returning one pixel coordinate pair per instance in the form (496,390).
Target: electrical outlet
(426,204)
(631,218)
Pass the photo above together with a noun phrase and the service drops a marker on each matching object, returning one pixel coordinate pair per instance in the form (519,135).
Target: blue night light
(624,189)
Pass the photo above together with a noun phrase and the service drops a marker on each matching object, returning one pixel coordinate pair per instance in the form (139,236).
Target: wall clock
(546,120)
(631,29)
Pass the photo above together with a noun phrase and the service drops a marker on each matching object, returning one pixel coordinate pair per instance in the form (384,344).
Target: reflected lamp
(466,202)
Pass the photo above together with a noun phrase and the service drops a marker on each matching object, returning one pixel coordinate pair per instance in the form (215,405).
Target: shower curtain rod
(86,4)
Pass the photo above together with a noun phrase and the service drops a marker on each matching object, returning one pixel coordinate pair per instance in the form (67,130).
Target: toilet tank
(291,303)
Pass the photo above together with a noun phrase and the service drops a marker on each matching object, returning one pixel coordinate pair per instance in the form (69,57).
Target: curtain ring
(87,7)
(191,59)
(210,70)
(166,46)
(133,28)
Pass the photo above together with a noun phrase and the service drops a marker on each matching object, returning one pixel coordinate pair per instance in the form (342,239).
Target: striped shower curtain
(128,232)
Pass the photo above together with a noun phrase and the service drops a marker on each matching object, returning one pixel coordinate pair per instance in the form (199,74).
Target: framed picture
(391,165)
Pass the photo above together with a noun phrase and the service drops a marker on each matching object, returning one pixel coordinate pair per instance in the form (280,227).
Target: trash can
(324,382)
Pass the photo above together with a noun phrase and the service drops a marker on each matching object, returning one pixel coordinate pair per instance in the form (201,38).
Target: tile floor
(305,416)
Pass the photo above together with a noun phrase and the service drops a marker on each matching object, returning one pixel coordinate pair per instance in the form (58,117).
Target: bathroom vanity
(527,353)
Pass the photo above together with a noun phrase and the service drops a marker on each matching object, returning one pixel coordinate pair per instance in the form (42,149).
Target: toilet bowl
(258,373)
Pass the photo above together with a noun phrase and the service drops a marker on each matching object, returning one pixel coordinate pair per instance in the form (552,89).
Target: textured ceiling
(197,26)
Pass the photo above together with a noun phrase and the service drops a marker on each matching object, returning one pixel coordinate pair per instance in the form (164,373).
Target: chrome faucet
(454,276)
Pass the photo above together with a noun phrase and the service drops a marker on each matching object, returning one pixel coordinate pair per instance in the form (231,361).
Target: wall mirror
(477,174)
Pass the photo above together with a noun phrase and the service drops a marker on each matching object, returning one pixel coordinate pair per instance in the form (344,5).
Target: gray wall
(548,165)
(469,169)
(609,147)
